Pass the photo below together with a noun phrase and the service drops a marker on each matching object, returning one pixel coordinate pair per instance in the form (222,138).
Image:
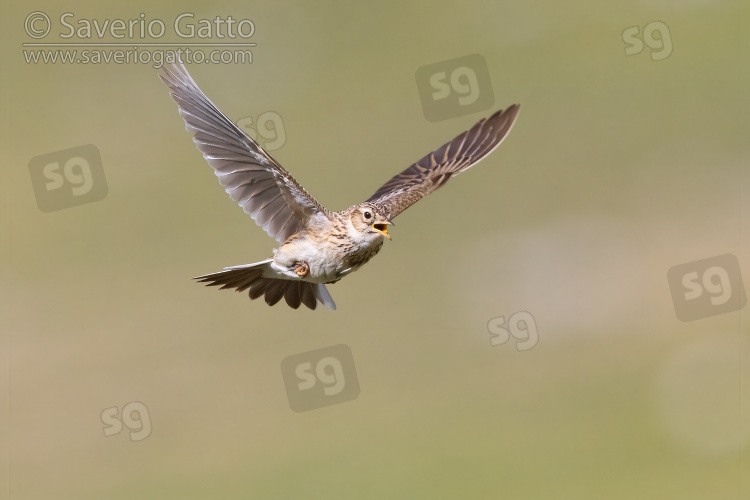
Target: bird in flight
(317,246)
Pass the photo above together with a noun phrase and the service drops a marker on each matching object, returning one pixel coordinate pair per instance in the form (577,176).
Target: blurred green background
(619,168)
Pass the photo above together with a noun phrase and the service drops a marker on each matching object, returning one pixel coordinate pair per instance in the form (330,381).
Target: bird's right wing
(251,177)
(434,170)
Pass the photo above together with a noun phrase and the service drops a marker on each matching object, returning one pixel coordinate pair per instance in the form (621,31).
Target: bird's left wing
(251,177)
(434,170)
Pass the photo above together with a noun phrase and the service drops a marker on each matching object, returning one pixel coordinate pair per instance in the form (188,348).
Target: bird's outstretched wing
(434,170)
(262,187)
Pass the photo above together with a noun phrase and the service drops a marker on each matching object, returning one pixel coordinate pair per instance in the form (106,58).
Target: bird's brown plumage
(251,177)
(435,169)
(325,245)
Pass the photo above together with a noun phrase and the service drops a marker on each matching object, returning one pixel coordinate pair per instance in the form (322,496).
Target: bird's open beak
(382,228)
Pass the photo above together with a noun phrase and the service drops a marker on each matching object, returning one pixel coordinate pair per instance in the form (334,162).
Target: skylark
(317,246)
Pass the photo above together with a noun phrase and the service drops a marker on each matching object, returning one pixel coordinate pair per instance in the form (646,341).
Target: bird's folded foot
(301,269)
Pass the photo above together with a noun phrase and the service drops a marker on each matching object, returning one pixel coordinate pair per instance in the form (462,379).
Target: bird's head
(370,219)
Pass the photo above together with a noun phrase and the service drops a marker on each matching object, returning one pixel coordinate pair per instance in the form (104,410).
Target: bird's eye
(367,215)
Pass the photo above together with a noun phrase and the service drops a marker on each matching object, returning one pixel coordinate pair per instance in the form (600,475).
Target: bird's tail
(295,292)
